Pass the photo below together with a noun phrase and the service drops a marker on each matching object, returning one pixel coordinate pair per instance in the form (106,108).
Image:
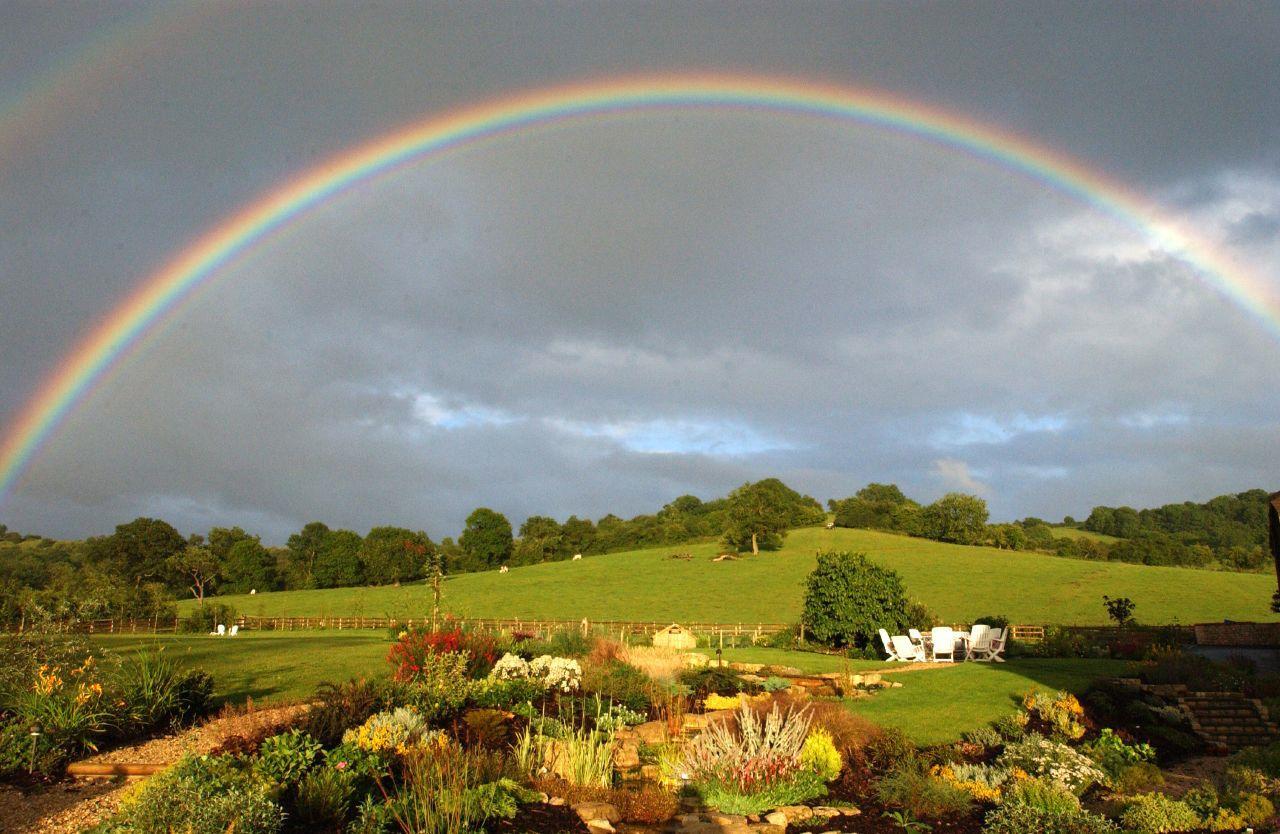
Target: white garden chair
(917,638)
(220,631)
(999,638)
(887,645)
(944,643)
(235,629)
(906,650)
(979,641)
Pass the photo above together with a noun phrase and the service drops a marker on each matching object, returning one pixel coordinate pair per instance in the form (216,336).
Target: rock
(556,800)
(896,684)
(768,828)
(747,667)
(591,810)
(724,820)
(776,818)
(752,678)
(848,810)
(626,756)
(600,827)
(695,659)
(544,799)
(650,773)
(795,813)
(797,692)
(785,671)
(652,732)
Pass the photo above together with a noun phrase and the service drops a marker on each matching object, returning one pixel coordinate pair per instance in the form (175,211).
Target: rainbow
(120,334)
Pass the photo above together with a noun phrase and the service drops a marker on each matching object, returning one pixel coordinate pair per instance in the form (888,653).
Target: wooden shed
(675,637)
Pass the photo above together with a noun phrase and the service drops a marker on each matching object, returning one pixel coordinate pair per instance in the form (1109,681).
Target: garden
(441,728)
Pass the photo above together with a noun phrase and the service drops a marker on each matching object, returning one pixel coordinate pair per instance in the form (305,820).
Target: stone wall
(1238,634)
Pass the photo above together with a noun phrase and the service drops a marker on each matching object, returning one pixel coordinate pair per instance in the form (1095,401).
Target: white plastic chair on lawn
(888,645)
(979,642)
(220,631)
(917,638)
(907,650)
(944,643)
(999,638)
(235,629)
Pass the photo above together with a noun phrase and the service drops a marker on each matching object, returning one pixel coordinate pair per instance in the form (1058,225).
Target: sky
(601,315)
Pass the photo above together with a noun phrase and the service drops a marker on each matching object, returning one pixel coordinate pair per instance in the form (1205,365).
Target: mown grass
(1077,533)
(958,583)
(932,706)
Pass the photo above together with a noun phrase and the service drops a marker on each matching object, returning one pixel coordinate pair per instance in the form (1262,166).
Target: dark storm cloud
(600,317)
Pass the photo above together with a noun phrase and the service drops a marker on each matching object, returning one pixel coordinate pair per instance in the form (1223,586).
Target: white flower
(510,667)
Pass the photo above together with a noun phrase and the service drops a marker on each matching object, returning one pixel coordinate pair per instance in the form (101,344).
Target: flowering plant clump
(400,731)
(1052,760)
(412,647)
(1059,711)
(67,703)
(983,782)
(715,701)
(510,667)
(559,673)
(820,755)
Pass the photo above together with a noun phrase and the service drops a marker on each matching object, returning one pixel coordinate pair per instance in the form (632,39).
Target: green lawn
(958,583)
(933,705)
(269,666)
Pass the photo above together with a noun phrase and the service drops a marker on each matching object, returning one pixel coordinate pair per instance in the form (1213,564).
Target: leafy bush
(1113,755)
(773,683)
(1155,813)
(849,598)
(1057,712)
(449,790)
(150,689)
(207,618)
(983,782)
(985,737)
(819,754)
(408,655)
(338,706)
(492,693)
(922,793)
(1137,778)
(889,750)
(1263,759)
(439,686)
(569,642)
(1011,727)
(1042,795)
(285,758)
(1254,808)
(200,795)
(323,800)
(1024,819)
(400,731)
(719,680)
(620,683)
(1039,757)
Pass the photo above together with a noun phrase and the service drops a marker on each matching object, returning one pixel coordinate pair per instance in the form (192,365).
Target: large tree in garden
(541,540)
(337,565)
(759,514)
(487,538)
(248,567)
(394,554)
(305,548)
(955,517)
(849,598)
(198,566)
(139,551)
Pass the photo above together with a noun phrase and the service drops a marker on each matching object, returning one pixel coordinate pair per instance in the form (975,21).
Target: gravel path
(72,805)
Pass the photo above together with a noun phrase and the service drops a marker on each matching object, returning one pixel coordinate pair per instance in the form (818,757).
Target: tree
(848,598)
(487,537)
(305,547)
(138,551)
(541,540)
(578,535)
(394,554)
(955,517)
(248,566)
(197,565)
(222,539)
(758,516)
(337,565)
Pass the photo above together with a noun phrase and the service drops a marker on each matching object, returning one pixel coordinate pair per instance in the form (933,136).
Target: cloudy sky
(602,315)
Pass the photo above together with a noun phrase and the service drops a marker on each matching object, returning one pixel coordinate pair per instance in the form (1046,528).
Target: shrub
(400,731)
(985,737)
(1111,753)
(1059,712)
(1240,778)
(1024,819)
(439,687)
(1039,757)
(649,805)
(338,706)
(285,758)
(67,704)
(562,674)
(849,598)
(1137,778)
(1012,727)
(448,790)
(1254,808)
(201,795)
(620,683)
(569,642)
(409,653)
(207,618)
(195,694)
(149,689)
(889,750)
(1264,759)
(492,693)
(720,680)
(983,782)
(773,683)
(759,765)
(1042,795)
(922,793)
(1155,813)
(324,799)
(819,754)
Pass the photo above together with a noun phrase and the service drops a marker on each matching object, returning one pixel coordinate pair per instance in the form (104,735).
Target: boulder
(591,811)
(600,827)
(626,756)
(747,667)
(695,660)
(795,813)
(776,818)
(652,732)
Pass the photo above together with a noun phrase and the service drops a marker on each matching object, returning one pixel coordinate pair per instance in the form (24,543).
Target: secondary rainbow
(120,333)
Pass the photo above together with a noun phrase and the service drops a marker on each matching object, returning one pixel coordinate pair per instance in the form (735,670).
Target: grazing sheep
(576,557)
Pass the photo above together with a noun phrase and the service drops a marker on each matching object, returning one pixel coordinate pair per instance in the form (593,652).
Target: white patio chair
(221,630)
(999,638)
(888,645)
(944,643)
(979,642)
(906,650)
(235,629)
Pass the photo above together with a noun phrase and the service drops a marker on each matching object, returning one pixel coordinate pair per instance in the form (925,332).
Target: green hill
(1077,533)
(958,583)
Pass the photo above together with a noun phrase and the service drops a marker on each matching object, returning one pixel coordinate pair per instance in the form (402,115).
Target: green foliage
(759,515)
(339,706)
(337,564)
(1112,754)
(155,690)
(492,693)
(1265,759)
(394,554)
(197,566)
(1023,819)
(1042,795)
(207,618)
(877,506)
(717,680)
(921,793)
(849,597)
(138,551)
(200,795)
(620,683)
(248,566)
(1137,778)
(819,754)
(799,788)
(1254,808)
(487,538)
(285,758)
(1119,610)
(773,683)
(955,517)
(324,799)
(451,790)
(1155,813)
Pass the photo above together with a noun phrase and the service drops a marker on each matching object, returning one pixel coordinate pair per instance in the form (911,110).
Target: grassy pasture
(1076,533)
(958,583)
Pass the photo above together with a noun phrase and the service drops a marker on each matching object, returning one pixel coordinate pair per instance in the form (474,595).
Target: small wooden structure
(675,637)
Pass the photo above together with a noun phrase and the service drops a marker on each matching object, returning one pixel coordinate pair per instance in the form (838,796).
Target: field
(933,705)
(1076,533)
(958,583)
